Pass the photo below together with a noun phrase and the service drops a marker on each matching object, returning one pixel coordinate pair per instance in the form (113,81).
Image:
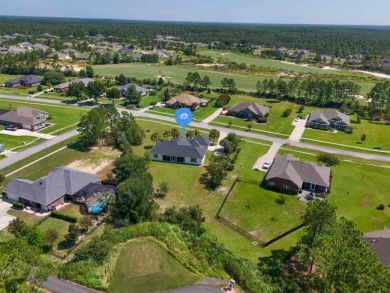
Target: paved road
(60,286)
(35,149)
(196,289)
(365,156)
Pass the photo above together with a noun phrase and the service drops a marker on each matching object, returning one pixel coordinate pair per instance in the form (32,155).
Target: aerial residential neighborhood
(222,150)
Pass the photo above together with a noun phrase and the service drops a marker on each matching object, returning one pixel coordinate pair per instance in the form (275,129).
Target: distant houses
(125,88)
(181,150)
(185,100)
(24,118)
(324,119)
(288,174)
(244,109)
(125,50)
(26,81)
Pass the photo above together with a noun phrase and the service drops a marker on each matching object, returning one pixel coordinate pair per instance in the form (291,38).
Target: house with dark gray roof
(41,47)
(48,192)
(181,150)
(244,109)
(289,174)
(26,81)
(125,50)
(24,118)
(65,86)
(83,57)
(380,244)
(125,88)
(328,118)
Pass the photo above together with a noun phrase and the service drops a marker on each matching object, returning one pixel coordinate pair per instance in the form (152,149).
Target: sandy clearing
(376,74)
(94,169)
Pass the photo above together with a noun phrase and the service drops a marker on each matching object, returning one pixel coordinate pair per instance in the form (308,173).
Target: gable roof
(65,85)
(290,168)
(183,147)
(185,99)
(48,189)
(40,47)
(138,88)
(125,50)
(380,244)
(26,79)
(256,109)
(23,115)
(328,116)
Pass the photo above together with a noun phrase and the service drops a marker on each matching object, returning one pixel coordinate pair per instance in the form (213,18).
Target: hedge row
(64,217)
(18,205)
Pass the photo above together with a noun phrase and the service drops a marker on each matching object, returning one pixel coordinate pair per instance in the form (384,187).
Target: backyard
(144,266)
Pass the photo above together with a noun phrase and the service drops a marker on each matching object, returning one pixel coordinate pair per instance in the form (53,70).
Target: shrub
(287,112)
(230,167)
(222,100)
(381,207)
(153,93)
(130,107)
(31,92)
(18,205)
(281,200)
(61,216)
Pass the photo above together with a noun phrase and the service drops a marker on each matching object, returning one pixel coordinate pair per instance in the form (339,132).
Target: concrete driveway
(298,130)
(23,132)
(268,157)
(61,286)
(4,217)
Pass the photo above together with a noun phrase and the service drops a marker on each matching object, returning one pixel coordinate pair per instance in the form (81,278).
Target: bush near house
(18,205)
(64,217)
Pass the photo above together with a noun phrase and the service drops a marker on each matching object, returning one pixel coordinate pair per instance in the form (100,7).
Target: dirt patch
(224,190)
(106,171)
(94,169)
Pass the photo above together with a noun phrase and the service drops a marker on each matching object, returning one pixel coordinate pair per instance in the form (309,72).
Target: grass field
(10,141)
(254,209)
(177,74)
(356,191)
(62,116)
(145,267)
(376,135)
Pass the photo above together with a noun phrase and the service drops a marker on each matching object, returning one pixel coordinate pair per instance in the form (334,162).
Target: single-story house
(328,118)
(26,81)
(67,44)
(125,88)
(244,109)
(83,57)
(136,57)
(181,150)
(50,191)
(287,173)
(63,87)
(24,117)
(25,45)
(125,50)
(282,50)
(185,100)
(41,47)
(380,244)
(61,56)
(90,195)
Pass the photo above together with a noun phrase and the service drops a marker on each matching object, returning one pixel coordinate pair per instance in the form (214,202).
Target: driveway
(4,217)
(24,132)
(268,157)
(218,148)
(298,130)
(196,289)
(212,116)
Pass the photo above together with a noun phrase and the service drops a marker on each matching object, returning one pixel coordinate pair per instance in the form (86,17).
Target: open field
(177,74)
(62,116)
(376,135)
(254,209)
(144,267)
(356,191)
(10,141)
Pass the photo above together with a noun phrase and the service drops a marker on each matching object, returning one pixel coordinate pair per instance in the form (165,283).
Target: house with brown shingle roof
(24,118)
(244,109)
(289,174)
(185,100)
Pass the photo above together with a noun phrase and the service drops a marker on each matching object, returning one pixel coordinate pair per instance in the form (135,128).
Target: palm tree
(190,134)
(155,137)
(175,132)
(196,133)
(166,134)
(214,135)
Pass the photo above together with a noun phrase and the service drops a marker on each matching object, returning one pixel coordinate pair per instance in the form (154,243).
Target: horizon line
(191,21)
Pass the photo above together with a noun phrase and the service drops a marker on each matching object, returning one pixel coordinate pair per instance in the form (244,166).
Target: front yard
(10,141)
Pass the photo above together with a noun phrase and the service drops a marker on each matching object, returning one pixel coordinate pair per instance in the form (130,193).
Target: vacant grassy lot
(10,141)
(62,116)
(145,267)
(254,209)
(356,190)
(376,135)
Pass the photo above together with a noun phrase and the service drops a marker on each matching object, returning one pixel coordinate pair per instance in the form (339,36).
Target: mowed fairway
(145,267)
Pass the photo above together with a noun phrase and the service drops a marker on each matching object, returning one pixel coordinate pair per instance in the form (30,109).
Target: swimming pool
(97,208)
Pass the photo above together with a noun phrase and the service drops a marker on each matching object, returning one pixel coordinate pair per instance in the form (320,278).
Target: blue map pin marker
(183,117)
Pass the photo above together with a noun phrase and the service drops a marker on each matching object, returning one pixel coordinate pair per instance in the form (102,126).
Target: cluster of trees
(332,93)
(104,125)
(322,39)
(330,257)
(195,82)
(380,101)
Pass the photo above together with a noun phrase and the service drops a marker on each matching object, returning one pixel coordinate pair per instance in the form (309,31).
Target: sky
(354,12)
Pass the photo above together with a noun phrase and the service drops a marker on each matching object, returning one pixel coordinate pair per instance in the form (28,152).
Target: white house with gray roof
(289,174)
(181,150)
(328,118)
(48,192)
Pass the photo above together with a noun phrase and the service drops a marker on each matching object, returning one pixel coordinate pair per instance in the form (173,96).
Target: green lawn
(29,219)
(18,91)
(59,225)
(356,190)
(10,141)
(62,116)
(146,100)
(4,235)
(145,267)
(254,209)
(376,135)
(74,210)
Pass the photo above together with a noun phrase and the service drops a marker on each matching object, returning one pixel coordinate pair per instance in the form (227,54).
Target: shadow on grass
(63,245)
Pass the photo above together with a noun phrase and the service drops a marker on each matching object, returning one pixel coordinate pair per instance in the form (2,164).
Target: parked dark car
(377,147)
(11,127)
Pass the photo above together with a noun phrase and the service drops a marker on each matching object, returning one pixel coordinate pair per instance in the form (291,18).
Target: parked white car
(297,119)
(266,165)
